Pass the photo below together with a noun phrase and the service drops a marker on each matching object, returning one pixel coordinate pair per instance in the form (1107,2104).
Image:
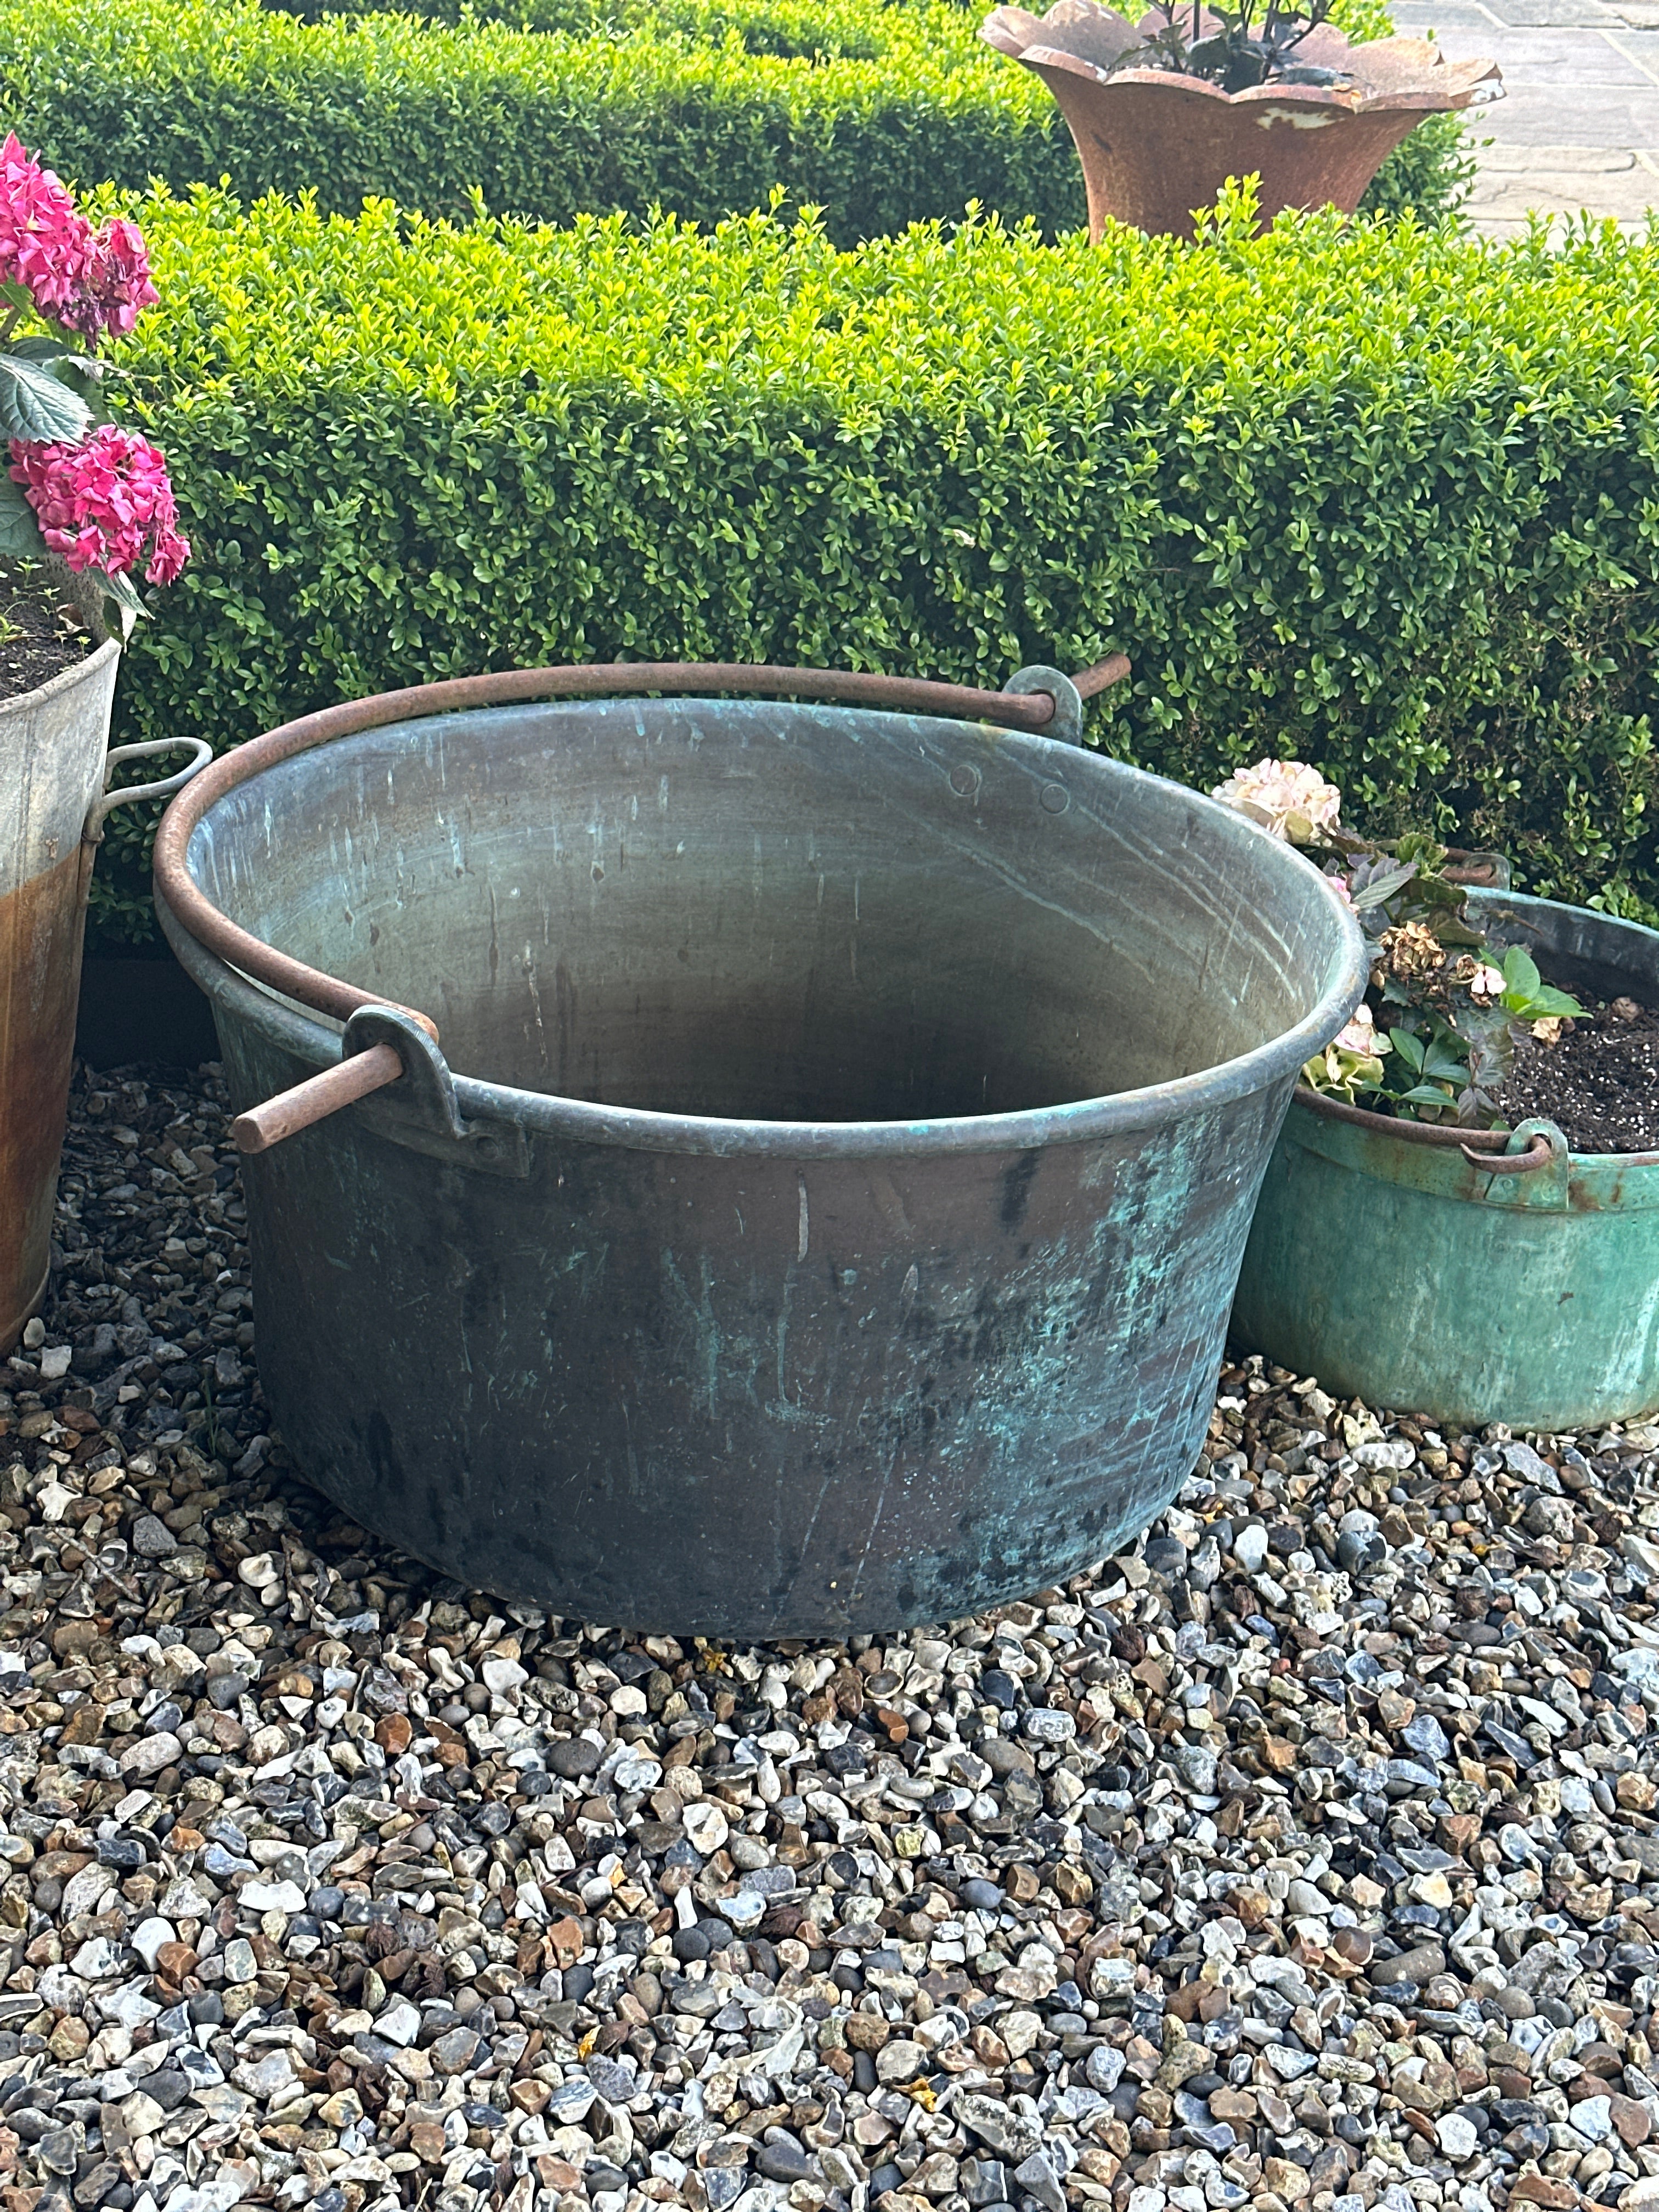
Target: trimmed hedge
(1382,500)
(878,115)
(542,124)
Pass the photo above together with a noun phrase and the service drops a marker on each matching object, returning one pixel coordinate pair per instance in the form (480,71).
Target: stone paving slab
(1578,128)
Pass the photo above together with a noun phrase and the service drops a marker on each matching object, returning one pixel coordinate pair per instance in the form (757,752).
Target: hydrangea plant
(78,485)
(1437,1032)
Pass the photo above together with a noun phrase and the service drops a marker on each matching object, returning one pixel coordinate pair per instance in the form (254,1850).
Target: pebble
(1305,1857)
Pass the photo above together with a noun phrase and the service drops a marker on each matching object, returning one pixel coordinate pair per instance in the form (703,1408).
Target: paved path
(1579,127)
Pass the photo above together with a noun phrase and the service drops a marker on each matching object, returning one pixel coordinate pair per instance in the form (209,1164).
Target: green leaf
(1409,1047)
(1547,1000)
(1520,974)
(1392,878)
(20,530)
(36,406)
(1444,1065)
(122,591)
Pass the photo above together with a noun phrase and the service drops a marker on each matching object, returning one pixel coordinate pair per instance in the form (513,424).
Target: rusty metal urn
(1157,144)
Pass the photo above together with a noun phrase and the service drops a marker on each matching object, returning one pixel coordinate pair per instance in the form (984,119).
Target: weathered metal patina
(52,768)
(823,1210)
(1402,1267)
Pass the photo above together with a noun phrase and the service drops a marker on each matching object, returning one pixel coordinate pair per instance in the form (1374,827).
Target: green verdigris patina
(1399,1273)
(825,1207)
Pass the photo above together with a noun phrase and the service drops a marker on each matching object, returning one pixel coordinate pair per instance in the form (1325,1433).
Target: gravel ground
(1305,1857)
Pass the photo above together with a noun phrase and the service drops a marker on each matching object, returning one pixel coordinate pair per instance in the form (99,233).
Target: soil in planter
(41,632)
(1600,1082)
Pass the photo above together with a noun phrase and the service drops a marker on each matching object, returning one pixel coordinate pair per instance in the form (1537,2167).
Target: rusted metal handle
(314,1099)
(1538,1154)
(1091,682)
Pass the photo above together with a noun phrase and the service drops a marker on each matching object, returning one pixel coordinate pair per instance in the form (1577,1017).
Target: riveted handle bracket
(1533,1172)
(1066,727)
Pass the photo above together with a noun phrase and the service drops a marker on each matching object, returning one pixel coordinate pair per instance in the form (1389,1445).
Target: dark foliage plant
(1249,45)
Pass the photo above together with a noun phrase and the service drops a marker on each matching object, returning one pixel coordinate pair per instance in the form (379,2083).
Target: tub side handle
(1535,1172)
(315,1099)
(93,831)
(380,1045)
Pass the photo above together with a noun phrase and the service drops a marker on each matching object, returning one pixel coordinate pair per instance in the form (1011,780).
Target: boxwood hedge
(1385,500)
(879,115)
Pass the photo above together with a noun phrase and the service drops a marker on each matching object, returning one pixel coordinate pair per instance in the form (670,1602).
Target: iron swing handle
(1538,1154)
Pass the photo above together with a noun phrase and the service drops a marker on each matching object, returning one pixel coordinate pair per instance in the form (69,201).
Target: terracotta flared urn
(1156,144)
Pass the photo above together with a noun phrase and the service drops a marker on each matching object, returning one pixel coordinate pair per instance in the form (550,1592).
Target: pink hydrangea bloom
(117,285)
(46,244)
(105,504)
(88,281)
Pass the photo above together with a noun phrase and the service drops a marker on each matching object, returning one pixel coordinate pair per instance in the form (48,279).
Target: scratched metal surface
(861,1120)
(52,769)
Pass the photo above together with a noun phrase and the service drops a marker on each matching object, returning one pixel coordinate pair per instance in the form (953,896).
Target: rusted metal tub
(823,1207)
(53,768)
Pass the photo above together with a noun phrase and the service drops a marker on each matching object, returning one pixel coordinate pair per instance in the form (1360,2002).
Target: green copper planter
(1382,1261)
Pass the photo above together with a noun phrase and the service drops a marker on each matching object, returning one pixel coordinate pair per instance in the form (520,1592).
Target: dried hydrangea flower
(1288,797)
(1413,952)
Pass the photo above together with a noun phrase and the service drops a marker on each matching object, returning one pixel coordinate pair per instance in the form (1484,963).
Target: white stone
(55,1361)
(259,1571)
(149,1936)
(182,1901)
(83,1891)
(706,1828)
(1457,2136)
(1592,2116)
(272,1897)
(217,2195)
(502,1675)
(221,2102)
(400,2023)
(1250,1550)
(141,2115)
(241,1964)
(265,2077)
(151,1753)
(98,1960)
(128,2008)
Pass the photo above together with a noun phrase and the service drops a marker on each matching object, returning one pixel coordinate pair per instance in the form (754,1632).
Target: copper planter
(53,769)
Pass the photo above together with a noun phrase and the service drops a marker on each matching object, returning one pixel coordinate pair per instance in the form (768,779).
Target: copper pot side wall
(40,934)
(52,743)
